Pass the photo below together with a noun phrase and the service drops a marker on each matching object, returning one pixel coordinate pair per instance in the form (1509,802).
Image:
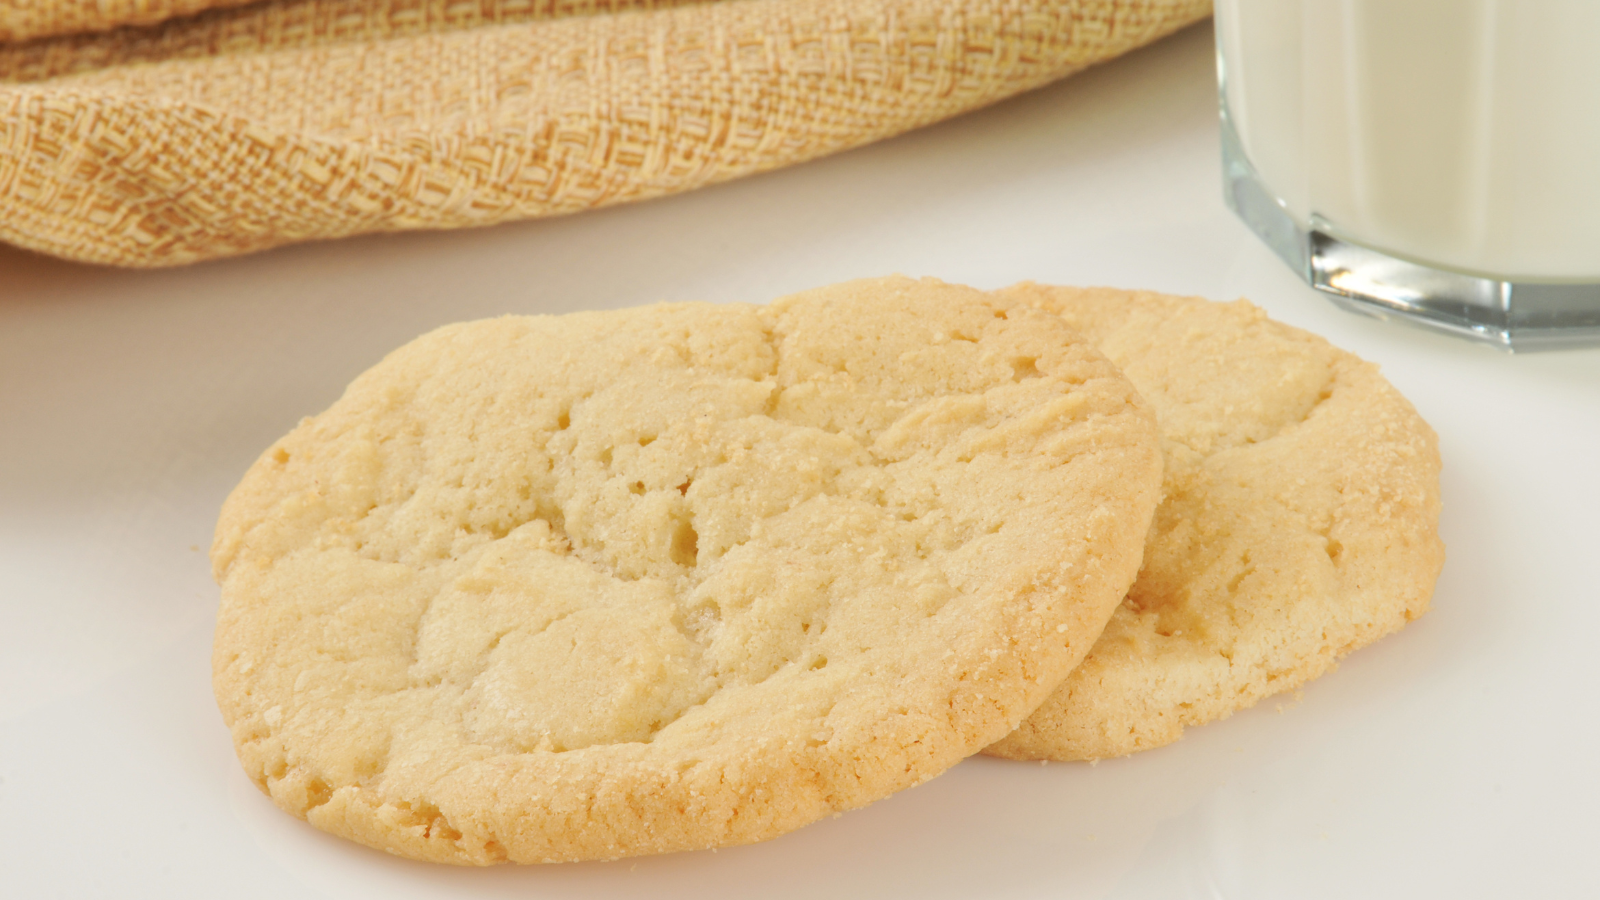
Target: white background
(1459,758)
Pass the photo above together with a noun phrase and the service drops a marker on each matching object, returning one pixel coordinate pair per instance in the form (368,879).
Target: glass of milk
(1437,160)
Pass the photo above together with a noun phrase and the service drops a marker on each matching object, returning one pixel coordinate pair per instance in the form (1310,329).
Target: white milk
(1464,134)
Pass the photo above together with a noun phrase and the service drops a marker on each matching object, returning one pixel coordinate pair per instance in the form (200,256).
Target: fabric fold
(239,130)
(23,20)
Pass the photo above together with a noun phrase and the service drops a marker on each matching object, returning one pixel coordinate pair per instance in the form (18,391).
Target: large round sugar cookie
(615,583)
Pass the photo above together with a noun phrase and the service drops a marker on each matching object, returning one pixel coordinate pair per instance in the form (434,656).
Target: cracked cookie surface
(1298,522)
(686,576)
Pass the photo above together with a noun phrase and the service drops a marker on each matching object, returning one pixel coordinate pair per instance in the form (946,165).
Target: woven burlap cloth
(156,132)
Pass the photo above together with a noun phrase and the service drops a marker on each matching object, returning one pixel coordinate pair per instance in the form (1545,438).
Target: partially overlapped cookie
(1298,522)
(561,588)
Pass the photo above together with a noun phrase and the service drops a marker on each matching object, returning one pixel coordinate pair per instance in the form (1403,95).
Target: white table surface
(1459,758)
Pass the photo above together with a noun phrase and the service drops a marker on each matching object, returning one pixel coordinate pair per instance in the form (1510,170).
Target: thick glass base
(1516,316)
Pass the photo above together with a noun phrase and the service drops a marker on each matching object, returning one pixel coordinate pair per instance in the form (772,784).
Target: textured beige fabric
(241,129)
(22,20)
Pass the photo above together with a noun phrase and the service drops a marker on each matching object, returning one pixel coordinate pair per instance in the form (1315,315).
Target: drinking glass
(1432,160)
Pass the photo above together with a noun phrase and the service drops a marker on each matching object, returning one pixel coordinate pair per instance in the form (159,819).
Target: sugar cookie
(1299,521)
(686,576)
